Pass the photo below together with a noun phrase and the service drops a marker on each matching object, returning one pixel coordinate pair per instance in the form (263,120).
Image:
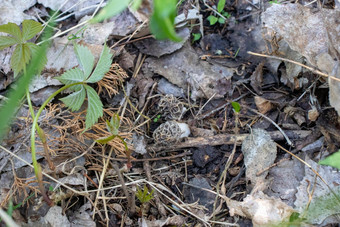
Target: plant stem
(35,123)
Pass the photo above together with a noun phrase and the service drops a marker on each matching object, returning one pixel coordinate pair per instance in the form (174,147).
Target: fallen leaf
(263,105)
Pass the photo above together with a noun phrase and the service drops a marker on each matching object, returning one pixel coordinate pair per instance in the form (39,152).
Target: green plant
(274,2)
(23,51)
(144,196)
(156,119)
(196,37)
(220,9)
(236,106)
(113,127)
(332,160)
(161,22)
(86,75)
(16,94)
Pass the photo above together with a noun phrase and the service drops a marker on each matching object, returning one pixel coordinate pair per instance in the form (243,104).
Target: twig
(200,110)
(214,10)
(158,188)
(45,174)
(310,167)
(227,139)
(101,180)
(159,204)
(220,107)
(273,165)
(270,120)
(223,176)
(130,199)
(297,63)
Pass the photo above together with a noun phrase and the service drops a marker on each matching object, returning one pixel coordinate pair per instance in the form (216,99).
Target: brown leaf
(263,105)
(256,78)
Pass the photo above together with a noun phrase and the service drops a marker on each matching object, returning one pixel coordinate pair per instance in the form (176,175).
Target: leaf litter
(226,169)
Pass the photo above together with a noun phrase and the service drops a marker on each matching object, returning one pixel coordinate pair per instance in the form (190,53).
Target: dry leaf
(263,105)
(261,209)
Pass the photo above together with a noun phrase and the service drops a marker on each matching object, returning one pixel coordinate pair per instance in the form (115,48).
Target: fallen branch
(228,139)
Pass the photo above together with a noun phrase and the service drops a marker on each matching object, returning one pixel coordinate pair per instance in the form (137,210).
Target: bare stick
(276,125)
(296,63)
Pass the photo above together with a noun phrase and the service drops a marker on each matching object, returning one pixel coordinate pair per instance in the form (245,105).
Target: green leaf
(332,160)
(212,19)
(8,108)
(20,57)
(162,23)
(75,100)
(6,41)
(85,59)
(12,29)
(144,196)
(236,106)
(113,125)
(196,36)
(226,14)
(220,5)
(103,66)
(136,4)
(106,139)
(35,50)
(30,28)
(221,20)
(94,109)
(113,8)
(72,76)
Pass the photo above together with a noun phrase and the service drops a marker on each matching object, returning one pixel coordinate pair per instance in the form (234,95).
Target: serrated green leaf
(85,59)
(94,108)
(220,5)
(30,28)
(9,108)
(106,139)
(12,29)
(75,100)
(6,41)
(113,8)
(332,160)
(72,76)
(212,19)
(163,19)
(103,66)
(35,50)
(20,57)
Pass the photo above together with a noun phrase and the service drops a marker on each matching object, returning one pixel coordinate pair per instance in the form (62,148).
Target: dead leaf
(261,209)
(259,152)
(159,48)
(313,114)
(263,105)
(256,78)
(55,217)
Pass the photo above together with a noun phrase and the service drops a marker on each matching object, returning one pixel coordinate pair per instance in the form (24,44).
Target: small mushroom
(170,132)
(172,108)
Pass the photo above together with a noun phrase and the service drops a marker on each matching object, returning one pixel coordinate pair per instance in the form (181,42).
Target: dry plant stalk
(112,80)
(19,187)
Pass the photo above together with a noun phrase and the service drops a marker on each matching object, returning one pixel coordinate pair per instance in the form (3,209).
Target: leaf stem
(35,123)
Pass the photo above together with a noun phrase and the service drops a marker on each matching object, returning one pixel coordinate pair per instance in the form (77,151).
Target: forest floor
(224,128)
